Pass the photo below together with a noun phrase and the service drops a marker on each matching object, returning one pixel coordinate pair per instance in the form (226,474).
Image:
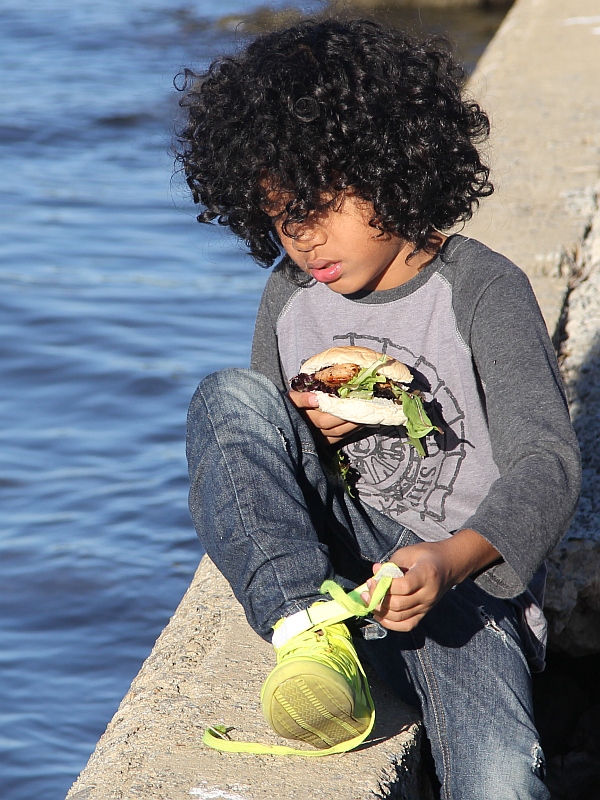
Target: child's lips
(325,271)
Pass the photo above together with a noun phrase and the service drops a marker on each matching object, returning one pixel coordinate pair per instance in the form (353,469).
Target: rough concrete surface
(538,81)
(573,594)
(207,667)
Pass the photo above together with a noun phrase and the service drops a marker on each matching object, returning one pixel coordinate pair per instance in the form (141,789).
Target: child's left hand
(431,568)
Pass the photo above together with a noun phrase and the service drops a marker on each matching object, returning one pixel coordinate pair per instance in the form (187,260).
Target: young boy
(350,148)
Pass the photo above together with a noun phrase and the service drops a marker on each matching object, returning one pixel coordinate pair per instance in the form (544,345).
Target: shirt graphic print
(393,477)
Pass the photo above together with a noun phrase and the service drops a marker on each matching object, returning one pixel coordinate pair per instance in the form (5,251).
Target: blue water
(114,304)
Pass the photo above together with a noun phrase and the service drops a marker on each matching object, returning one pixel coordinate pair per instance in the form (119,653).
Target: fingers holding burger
(363,386)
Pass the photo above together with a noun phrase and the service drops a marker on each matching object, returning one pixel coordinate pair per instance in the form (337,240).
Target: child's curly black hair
(326,106)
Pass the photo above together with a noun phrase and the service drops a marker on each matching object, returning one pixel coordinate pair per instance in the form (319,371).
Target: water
(114,304)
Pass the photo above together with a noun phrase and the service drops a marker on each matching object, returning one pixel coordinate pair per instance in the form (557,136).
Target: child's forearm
(469,554)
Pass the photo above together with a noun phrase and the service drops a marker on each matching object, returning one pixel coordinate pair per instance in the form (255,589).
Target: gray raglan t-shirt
(469,328)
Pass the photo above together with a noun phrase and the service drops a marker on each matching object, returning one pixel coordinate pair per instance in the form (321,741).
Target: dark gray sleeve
(265,352)
(531,504)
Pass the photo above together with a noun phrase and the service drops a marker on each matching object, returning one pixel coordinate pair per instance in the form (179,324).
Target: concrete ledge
(538,81)
(208,667)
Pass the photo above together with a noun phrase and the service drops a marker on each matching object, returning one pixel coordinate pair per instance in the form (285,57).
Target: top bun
(362,357)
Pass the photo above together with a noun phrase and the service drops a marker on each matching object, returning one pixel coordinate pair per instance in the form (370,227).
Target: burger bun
(377,411)
(362,357)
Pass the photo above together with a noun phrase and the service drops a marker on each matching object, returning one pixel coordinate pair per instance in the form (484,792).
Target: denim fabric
(465,669)
(277,524)
(267,514)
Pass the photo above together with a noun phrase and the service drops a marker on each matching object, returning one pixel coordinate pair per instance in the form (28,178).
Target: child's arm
(529,506)
(431,569)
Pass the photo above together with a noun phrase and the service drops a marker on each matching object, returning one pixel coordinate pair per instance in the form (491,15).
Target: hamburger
(361,385)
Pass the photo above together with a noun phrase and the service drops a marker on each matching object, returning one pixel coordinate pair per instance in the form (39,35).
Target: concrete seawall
(208,667)
(538,79)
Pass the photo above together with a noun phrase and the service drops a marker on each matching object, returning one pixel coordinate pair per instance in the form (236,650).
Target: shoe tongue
(321,644)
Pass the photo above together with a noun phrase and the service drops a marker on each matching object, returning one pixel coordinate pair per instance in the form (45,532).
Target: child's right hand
(430,570)
(332,429)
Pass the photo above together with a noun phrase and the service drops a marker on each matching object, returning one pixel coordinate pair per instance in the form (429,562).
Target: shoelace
(217,736)
(328,653)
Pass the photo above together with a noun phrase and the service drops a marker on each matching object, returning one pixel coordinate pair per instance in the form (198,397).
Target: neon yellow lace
(342,657)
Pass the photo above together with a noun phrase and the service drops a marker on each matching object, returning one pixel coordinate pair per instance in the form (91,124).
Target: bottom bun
(377,411)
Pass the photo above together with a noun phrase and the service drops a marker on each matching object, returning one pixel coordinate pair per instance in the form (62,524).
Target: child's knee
(227,381)
(235,386)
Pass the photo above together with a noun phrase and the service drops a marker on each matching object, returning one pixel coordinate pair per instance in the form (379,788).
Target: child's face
(341,249)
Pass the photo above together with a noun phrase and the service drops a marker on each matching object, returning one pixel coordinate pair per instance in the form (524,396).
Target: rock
(566,700)
(573,592)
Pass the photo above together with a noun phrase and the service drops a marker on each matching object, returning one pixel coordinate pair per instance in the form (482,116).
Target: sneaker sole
(312,703)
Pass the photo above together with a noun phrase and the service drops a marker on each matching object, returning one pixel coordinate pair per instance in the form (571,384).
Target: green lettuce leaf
(417,423)
(358,394)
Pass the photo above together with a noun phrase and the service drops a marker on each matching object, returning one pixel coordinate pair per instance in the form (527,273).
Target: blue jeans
(277,524)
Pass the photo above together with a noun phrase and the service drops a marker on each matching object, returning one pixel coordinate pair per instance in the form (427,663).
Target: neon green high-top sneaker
(318,692)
